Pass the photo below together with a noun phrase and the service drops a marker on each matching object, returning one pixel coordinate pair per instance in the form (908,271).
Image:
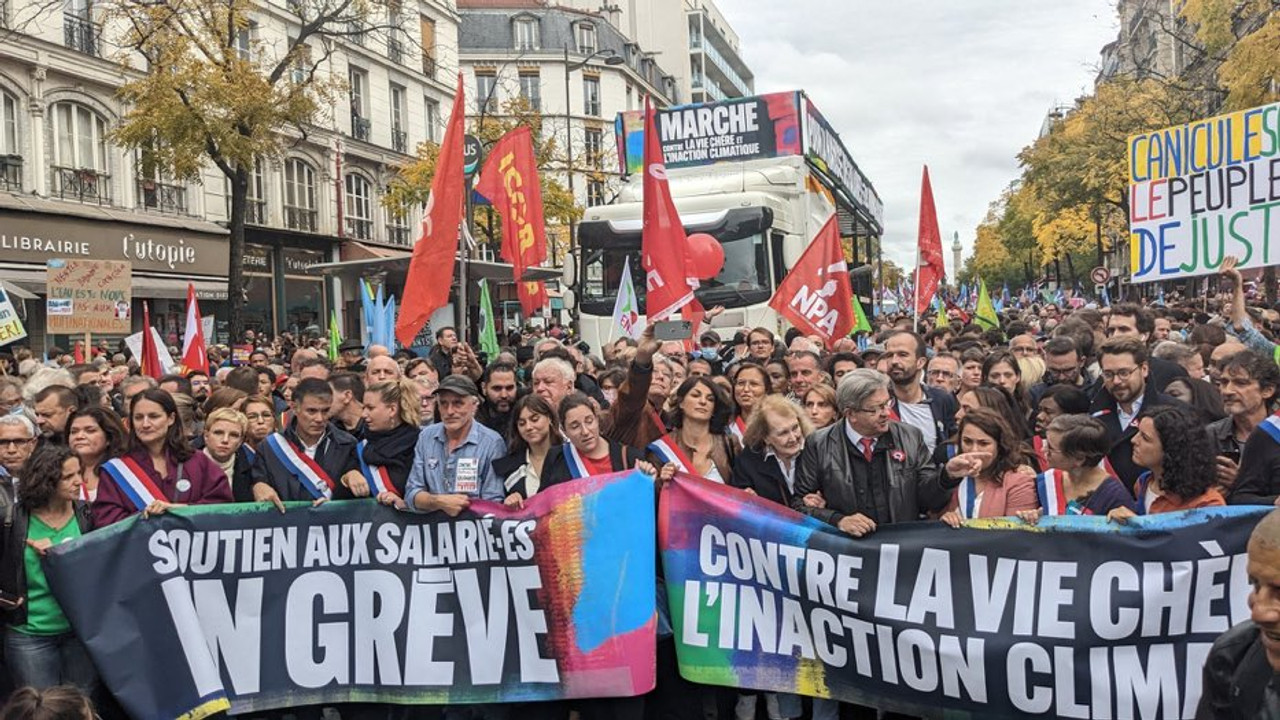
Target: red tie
(867,444)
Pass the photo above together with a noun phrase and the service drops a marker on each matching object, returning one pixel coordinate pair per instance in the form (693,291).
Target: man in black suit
(1126,395)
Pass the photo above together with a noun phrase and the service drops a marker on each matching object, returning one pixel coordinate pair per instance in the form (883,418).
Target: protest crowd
(1115,411)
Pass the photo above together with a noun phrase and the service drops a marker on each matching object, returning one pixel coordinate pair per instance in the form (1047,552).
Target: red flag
(663,241)
(931,270)
(816,295)
(426,287)
(150,359)
(78,355)
(509,180)
(194,354)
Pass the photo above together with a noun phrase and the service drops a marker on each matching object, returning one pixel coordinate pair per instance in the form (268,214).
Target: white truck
(761,174)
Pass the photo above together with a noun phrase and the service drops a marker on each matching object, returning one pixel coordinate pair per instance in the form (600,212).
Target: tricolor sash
(377,476)
(133,481)
(668,451)
(1140,491)
(967,495)
(1049,487)
(308,472)
(573,458)
(1271,426)
(738,428)
(249,453)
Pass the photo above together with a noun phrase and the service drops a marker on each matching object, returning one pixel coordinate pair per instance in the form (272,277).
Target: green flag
(860,323)
(488,336)
(334,339)
(985,315)
(943,320)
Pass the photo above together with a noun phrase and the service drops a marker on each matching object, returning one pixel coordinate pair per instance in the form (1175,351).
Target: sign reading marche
(235,605)
(1205,190)
(1073,618)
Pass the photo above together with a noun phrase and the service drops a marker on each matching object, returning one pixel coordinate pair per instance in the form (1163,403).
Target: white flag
(626,308)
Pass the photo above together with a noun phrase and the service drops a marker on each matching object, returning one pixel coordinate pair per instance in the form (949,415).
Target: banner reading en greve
(1076,619)
(205,607)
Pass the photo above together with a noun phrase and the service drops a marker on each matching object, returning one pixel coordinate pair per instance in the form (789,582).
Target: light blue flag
(370,311)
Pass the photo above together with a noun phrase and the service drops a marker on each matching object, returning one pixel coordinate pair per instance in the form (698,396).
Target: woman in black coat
(386,453)
(588,452)
(771,447)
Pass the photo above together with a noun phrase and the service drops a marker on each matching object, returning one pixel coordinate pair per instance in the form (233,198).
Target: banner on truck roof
(1204,190)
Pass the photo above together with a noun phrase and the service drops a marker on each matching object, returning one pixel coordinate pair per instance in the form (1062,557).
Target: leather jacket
(1238,680)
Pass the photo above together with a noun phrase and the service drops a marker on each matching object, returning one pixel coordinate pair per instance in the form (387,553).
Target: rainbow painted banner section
(1204,190)
(1074,617)
(238,607)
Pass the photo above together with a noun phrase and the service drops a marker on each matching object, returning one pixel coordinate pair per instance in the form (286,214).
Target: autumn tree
(206,100)
(1243,39)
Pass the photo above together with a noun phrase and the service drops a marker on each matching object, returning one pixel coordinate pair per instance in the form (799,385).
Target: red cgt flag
(663,240)
(194,355)
(509,180)
(426,287)
(932,269)
(816,295)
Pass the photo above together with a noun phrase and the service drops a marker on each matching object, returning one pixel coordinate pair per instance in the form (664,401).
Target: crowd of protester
(1116,411)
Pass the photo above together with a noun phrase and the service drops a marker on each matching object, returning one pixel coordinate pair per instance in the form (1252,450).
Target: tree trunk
(1097,235)
(235,274)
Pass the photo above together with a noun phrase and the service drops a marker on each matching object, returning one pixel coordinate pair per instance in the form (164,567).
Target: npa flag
(426,288)
(985,314)
(931,269)
(194,355)
(150,360)
(663,240)
(816,296)
(626,307)
(509,180)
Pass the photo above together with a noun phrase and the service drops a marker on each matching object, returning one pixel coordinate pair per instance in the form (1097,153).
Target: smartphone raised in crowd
(673,330)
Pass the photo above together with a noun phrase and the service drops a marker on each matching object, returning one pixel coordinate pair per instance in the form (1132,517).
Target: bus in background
(761,174)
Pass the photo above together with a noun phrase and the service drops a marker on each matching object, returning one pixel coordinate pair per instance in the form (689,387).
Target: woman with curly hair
(990,464)
(1180,461)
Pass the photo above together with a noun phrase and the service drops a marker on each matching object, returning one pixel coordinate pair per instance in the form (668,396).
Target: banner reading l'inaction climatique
(1073,618)
(205,607)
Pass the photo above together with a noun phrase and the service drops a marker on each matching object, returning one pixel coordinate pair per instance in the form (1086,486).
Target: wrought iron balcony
(82,35)
(361,128)
(255,212)
(395,51)
(297,218)
(161,197)
(81,184)
(399,140)
(359,228)
(428,66)
(398,235)
(11,172)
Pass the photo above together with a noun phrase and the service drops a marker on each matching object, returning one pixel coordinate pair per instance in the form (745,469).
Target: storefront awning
(144,286)
(16,291)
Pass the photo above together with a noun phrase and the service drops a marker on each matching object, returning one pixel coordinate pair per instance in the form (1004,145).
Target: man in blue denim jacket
(453,460)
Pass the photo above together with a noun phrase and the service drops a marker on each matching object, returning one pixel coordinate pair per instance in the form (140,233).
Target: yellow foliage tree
(1244,38)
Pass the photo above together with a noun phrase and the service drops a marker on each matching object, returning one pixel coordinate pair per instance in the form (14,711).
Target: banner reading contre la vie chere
(204,608)
(1074,618)
(1204,190)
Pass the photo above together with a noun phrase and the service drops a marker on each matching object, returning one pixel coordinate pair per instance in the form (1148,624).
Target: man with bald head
(1242,671)
(380,368)
(300,357)
(378,351)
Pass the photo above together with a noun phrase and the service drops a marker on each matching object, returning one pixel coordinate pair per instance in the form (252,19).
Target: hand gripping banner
(1073,617)
(205,608)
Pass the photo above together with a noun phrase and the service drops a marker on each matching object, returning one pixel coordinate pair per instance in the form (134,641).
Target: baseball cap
(458,385)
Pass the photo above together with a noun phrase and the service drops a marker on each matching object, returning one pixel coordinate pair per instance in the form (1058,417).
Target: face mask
(18,409)
(711,354)
(611,395)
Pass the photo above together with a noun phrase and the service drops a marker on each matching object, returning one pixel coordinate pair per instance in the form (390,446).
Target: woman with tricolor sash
(751,384)
(1180,461)
(160,469)
(697,443)
(535,427)
(990,463)
(40,648)
(588,452)
(386,452)
(95,435)
(1076,481)
(260,417)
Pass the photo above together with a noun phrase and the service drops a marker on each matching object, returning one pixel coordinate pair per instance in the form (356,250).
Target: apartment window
(593,146)
(399,138)
(80,154)
(398,229)
(395,46)
(301,55)
(10,152)
(299,195)
(595,193)
(586,37)
(359,207)
(432,118)
(255,205)
(244,43)
(358,82)
(79,31)
(486,92)
(526,33)
(155,189)
(531,89)
(591,95)
(428,39)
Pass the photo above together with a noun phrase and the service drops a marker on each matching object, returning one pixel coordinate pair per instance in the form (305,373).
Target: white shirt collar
(854,436)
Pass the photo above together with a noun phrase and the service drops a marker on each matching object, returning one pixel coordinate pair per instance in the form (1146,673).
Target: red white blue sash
(308,472)
(577,464)
(377,476)
(669,452)
(1140,491)
(738,428)
(1049,487)
(133,481)
(249,453)
(1271,426)
(967,497)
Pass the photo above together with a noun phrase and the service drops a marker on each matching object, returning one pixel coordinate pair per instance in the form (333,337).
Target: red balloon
(707,255)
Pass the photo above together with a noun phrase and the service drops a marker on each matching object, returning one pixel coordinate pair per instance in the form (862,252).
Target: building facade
(67,191)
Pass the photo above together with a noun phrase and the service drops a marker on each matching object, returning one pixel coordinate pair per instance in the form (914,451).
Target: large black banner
(210,607)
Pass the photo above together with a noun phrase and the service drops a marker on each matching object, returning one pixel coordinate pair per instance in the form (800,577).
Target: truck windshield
(744,279)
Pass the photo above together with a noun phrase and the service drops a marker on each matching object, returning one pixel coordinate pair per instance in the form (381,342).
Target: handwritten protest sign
(88,296)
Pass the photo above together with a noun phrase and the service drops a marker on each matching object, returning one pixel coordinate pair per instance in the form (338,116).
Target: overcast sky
(959,86)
